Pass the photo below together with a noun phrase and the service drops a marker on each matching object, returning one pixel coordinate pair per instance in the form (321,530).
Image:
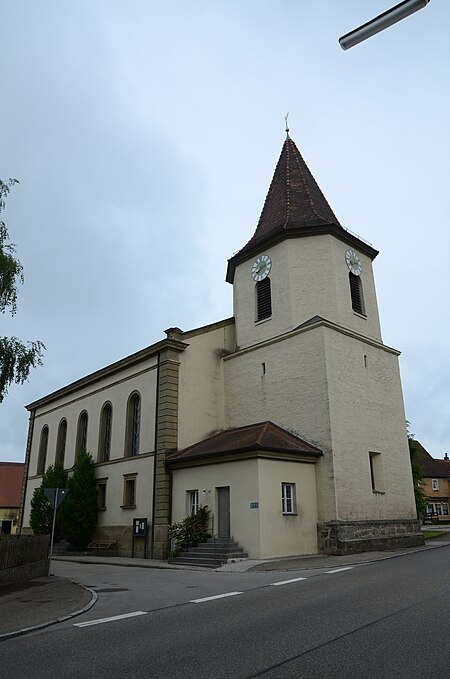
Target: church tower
(310,357)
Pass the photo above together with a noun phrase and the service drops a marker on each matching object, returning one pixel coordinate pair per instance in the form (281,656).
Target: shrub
(41,516)
(78,512)
(191,531)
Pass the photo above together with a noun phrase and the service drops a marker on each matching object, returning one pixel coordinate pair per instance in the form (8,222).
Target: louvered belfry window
(263,300)
(356,293)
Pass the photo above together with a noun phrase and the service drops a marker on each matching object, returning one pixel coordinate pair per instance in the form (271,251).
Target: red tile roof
(264,436)
(294,197)
(294,205)
(430,466)
(11,476)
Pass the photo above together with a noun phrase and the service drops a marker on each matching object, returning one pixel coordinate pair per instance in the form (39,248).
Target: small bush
(191,531)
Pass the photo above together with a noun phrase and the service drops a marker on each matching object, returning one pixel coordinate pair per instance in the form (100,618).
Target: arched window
(81,433)
(61,442)
(133,425)
(263,300)
(43,445)
(356,293)
(105,433)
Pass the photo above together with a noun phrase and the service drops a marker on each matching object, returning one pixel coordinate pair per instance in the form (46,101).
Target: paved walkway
(44,601)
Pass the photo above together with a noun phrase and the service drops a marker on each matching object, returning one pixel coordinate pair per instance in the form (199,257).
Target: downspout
(155,457)
(26,469)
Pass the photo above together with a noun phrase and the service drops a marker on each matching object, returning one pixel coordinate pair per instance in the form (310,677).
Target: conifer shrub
(78,512)
(41,516)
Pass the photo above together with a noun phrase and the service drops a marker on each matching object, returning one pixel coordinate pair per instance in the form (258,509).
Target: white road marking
(217,596)
(114,617)
(286,582)
(338,570)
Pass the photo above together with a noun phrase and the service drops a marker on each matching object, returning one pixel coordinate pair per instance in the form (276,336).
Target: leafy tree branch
(16,357)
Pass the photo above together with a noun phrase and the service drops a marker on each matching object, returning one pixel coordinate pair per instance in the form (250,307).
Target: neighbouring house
(436,483)
(11,480)
(286,419)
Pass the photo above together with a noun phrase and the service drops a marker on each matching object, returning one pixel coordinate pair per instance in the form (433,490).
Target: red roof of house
(430,466)
(11,477)
(265,436)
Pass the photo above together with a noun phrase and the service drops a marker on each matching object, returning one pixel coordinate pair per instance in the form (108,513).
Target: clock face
(353,262)
(261,268)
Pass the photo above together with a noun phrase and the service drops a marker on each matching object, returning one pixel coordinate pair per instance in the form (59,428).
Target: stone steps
(210,554)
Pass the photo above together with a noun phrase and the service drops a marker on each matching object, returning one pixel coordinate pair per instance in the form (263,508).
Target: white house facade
(286,420)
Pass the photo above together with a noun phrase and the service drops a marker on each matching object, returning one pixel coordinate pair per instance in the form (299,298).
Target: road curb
(34,628)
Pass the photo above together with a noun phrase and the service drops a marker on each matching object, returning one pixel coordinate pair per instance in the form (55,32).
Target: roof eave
(109,370)
(297,231)
(237,454)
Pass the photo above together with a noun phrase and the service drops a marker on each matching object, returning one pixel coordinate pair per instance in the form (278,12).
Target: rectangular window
(376,472)
(288,499)
(192,502)
(263,300)
(435,484)
(445,509)
(129,492)
(101,495)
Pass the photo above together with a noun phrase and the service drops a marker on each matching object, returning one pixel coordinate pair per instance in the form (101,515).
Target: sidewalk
(34,604)
(38,603)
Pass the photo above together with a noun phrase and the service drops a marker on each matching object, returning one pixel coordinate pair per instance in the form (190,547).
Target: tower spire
(294,207)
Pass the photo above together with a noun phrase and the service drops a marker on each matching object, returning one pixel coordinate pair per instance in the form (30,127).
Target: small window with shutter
(356,293)
(263,300)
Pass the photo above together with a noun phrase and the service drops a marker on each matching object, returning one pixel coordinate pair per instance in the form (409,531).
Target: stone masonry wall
(350,537)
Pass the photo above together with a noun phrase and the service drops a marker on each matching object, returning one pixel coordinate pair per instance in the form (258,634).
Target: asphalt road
(385,619)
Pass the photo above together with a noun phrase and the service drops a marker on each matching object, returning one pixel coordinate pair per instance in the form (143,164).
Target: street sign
(55,496)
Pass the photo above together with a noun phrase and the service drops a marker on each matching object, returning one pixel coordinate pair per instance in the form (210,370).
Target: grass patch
(430,534)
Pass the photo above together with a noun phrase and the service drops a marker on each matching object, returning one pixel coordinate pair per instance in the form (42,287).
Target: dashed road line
(211,598)
(287,582)
(338,570)
(100,621)
(203,600)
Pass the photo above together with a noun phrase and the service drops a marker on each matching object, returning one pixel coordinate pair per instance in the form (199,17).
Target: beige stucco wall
(114,473)
(115,388)
(262,532)
(242,478)
(367,415)
(309,277)
(291,389)
(201,390)
(317,385)
(284,534)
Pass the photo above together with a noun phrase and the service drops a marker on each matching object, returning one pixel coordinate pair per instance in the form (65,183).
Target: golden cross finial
(286,121)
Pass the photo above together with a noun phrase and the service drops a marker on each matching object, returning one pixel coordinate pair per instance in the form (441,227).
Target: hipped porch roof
(261,437)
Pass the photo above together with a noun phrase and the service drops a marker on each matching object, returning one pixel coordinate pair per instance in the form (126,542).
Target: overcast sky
(145,134)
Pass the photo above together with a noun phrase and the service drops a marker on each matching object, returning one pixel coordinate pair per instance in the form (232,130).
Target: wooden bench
(103,545)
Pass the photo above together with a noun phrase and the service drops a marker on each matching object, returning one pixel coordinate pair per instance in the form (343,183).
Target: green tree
(41,516)
(78,513)
(417,474)
(16,357)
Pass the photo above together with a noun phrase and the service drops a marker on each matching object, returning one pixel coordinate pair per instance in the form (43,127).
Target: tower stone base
(351,537)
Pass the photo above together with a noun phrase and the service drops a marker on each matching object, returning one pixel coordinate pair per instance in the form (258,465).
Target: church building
(286,420)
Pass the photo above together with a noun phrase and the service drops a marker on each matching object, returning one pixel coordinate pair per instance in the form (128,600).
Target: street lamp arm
(382,21)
